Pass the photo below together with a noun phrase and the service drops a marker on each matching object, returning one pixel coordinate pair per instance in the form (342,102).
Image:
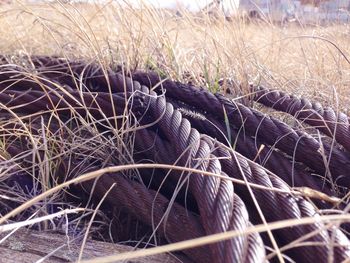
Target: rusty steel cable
(330,122)
(173,221)
(279,206)
(237,249)
(331,163)
(295,174)
(170,220)
(171,128)
(212,194)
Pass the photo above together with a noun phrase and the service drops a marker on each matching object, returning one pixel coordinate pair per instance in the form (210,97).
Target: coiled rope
(170,135)
(330,122)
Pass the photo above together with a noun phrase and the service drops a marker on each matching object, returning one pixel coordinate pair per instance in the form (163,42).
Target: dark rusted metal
(279,206)
(175,126)
(330,122)
(301,146)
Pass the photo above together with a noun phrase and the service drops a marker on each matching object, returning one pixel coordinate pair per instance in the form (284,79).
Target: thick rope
(330,122)
(174,222)
(270,131)
(293,173)
(93,77)
(210,206)
(169,127)
(220,209)
(276,206)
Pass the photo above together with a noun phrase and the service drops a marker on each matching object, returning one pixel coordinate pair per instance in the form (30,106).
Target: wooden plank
(27,246)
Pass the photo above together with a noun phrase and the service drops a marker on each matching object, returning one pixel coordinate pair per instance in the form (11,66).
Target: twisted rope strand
(270,131)
(169,136)
(147,205)
(294,174)
(326,120)
(208,191)
(150,207)
(278,206)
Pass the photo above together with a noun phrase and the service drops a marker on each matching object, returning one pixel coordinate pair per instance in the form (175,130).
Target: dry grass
(302,59)
(306,60)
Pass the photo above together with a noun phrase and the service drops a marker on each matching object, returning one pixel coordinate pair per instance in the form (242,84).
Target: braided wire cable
(327,120)
(219,207)
(149,206)
(211,206)
(146,141)
(100,105)
(277,206)
(270,131)
(294,174)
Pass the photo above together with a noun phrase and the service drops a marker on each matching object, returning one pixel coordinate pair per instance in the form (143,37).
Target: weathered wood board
(27,246)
